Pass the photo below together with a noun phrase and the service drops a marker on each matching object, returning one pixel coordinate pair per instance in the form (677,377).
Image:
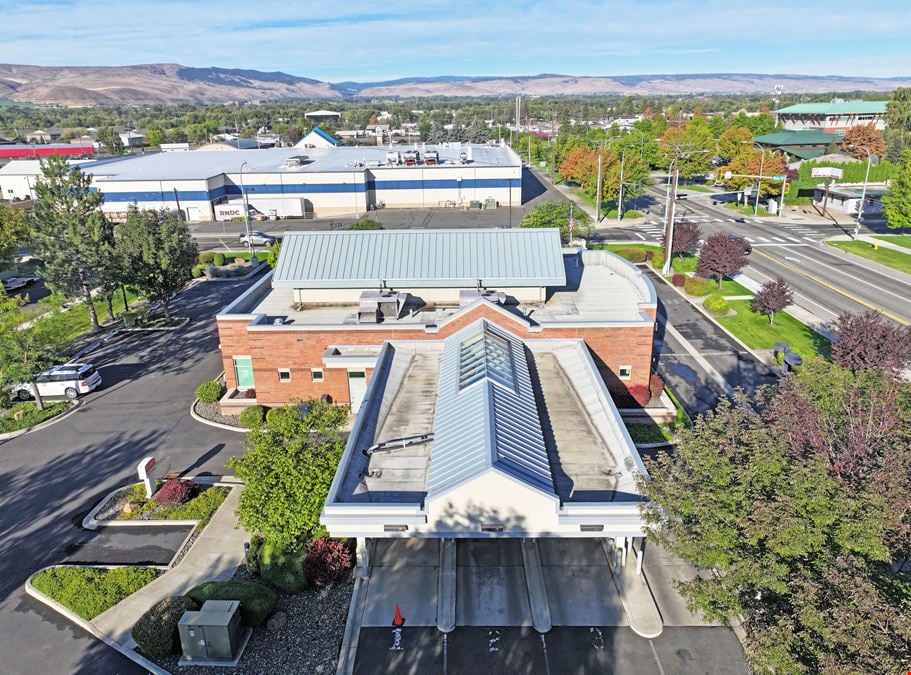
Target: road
(827,282)
(51,478)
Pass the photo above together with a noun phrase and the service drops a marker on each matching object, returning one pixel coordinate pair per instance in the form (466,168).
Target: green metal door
(243,371)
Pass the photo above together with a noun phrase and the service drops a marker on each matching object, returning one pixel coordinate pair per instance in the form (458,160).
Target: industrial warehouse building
(834,116)
(303,181)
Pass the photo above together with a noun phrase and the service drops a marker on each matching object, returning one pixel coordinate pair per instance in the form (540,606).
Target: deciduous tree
(746,166)
(773,297)
(795,507)
(14,232)
(110,139)
(897,200)
(159,252)
(287,468)
(867,341)
(732,142)
(722,255)
(556,214)
(862,138)
(686,238)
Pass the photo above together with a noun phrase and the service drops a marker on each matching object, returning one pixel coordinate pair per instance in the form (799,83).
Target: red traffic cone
(398,620)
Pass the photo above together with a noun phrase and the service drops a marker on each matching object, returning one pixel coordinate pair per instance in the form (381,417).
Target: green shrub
(698,286)
(198,270)
(658,261)
(206,258)
(156,631)
(256,601)
(251,417)
(28,413)
(251,561)
(282,568)
(716,305)
(366,224)
(219,259)
(634,255)
(202,507)
(89,591)
(209,392)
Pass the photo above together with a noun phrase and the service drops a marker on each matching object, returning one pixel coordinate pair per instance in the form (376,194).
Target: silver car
(257,238)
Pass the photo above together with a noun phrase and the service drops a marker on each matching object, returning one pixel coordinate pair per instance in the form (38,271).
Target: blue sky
(387,39)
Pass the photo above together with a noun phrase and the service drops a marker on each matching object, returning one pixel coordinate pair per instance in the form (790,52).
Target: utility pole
(669,225)
(863,195)
(620,196)
(528,131)
(598,192)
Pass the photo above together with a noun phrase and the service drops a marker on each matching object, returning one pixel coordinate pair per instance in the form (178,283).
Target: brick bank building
(315,326)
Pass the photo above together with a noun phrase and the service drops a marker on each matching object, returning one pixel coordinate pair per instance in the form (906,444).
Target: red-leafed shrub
(678,280)
(640,393)
(655,385)
(328,561)
(175,491)
(649,255)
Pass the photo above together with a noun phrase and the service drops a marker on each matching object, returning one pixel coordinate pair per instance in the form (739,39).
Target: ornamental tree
(722,255)
(862,138)
(287,469)
(795,505)
(897,200)
(773,297)
(686,238)
(14,232)
(867,341)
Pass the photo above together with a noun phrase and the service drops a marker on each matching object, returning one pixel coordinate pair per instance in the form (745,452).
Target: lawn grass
(613,248)
(697,188)
(754,330)
(730,287)
(898,239)
(31,415)
(884,256)
(747,209)
(650,433)
(89,591)
(683,264)
(75,321)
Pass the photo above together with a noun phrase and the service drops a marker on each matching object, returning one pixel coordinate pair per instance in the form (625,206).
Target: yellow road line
(838,290)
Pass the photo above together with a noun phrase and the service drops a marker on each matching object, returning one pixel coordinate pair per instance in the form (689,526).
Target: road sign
(826,172)
(777,177)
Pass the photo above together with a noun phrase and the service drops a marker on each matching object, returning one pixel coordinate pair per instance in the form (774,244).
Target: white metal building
(296,182)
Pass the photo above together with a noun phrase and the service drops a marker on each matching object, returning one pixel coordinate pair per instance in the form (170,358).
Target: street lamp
(672,178)
(243,192)
(863,195)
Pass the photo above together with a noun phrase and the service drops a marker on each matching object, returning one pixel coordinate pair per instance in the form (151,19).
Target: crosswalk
(787,233)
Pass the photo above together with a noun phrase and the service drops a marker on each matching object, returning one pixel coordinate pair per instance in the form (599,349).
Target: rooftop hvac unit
(211,634)
(393,158)
(411,157)
(463,158)
(431,157)
(295,161)
(376,305)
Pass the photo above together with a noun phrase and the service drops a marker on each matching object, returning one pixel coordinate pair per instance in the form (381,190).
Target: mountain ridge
(171,83)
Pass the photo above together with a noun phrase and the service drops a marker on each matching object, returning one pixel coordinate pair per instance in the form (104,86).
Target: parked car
(14,284)
(257,238)
(70,380)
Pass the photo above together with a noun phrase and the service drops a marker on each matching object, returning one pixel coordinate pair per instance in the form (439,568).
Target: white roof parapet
(639,280)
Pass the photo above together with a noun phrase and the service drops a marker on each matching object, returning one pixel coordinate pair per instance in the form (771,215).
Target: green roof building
(805,144)
(832,116)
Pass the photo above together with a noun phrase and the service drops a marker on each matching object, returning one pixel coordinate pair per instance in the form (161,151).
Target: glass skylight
(486,355)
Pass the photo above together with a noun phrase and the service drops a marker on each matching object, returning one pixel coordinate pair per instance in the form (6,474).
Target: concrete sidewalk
(216,554)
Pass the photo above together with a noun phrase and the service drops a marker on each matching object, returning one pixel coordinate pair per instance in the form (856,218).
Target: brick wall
(302,351)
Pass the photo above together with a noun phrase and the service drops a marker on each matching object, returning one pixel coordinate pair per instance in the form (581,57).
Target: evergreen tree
(69,231)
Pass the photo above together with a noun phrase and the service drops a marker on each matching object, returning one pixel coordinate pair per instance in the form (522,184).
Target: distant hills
(170,83)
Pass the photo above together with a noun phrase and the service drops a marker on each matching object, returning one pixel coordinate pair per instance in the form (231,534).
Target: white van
(70,380)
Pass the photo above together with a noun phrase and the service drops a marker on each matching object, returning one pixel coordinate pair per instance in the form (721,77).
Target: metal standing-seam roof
(836,108)
(486,416)
(421,258)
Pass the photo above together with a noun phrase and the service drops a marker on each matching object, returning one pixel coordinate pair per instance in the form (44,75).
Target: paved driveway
(50,479)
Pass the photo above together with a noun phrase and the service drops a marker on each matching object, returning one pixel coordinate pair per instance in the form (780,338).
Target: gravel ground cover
(211,412)
(308,643)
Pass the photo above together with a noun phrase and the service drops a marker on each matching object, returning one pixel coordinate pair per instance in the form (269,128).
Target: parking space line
(651,643)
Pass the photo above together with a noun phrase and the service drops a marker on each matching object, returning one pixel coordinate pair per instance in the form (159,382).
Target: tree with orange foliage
(748,163)
(862,138)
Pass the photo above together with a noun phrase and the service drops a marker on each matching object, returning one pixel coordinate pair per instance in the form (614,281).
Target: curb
(90,523)
(9,435)
(620,586)
(652,446)
(348,649)
(218,425)
(248,275)
(88,627)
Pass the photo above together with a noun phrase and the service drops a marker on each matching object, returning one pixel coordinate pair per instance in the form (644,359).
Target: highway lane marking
(850,296)
(794,239)
(778,239)
(882,290)
(846,258)
(763,239)
(751,240)
(640,236)
(810,239)
(754,272)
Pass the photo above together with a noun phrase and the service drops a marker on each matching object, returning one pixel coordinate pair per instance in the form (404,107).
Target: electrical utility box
(211,634)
